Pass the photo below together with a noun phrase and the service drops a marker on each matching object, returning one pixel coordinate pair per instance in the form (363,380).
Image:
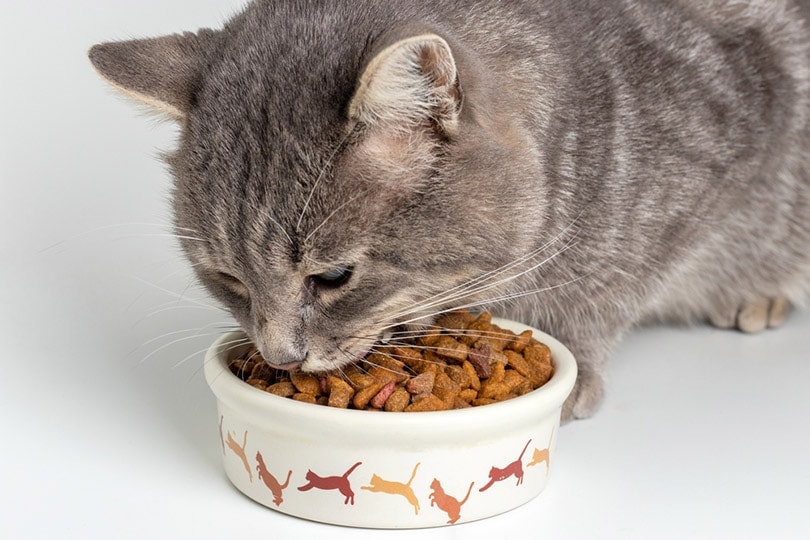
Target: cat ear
(408,83)
(160,72)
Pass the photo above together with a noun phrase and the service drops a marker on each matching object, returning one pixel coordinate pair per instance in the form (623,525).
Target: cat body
(349,168)
(339,483)
(447,503)
(381,485)
(275,487)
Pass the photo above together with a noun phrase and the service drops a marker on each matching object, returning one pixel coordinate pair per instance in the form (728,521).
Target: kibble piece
(468,394)
(538,352)
(445,389)
(421,384)
(472,373)
(382,375)
(517,383)
(430,337)
(306,383)
(363,396)
(283,389)
(520,342)
(426,404)
(458,375)
(394,367)
(379,399)
(479,357)
(451,349)
(491,388)
(360,380)
(305,398)
(261,384)
(398,400)
(262,370)
(517,362)
(455,320)
(498,372)
(340,392)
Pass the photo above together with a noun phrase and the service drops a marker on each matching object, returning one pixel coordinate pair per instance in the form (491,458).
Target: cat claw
(753,316)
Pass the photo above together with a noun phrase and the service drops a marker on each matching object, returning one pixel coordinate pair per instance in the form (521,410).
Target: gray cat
(349,168)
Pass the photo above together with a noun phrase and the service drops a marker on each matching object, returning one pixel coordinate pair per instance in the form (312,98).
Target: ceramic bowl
(383,469)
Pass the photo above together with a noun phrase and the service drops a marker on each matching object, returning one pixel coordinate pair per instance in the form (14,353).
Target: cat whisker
(197,335)
(487,280)
(102,228)
(178,296)
(477,291)
(186,331)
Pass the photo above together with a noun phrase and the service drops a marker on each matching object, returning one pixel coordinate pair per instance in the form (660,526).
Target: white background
(107,429)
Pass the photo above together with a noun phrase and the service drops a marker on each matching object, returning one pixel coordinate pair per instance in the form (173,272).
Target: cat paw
(585,398)
(753,316)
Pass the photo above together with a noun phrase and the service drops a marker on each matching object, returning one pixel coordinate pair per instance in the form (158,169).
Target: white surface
(108,434)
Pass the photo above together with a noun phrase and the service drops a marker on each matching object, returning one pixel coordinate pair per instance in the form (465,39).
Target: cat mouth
(289,366)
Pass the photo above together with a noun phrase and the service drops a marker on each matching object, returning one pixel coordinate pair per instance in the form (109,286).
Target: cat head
(336,174)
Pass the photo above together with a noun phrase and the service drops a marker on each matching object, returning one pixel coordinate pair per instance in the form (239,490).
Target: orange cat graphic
(240,452)
(447,504)
(542,456)
(340,483)
(270,481)
(380,485)
(515,468)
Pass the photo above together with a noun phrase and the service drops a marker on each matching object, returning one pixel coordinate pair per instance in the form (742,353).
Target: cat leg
(587,395)
(589,390)
(755,316)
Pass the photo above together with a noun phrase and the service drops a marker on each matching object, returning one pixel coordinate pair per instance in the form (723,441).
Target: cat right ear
(410,82)
(160,72)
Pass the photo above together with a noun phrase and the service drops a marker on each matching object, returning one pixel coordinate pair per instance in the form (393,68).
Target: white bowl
(384,469)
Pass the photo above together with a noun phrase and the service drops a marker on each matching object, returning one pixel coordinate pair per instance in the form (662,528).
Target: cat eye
(332,279)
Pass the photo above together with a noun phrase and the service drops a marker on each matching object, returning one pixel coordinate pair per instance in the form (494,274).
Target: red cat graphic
(275,487)
(340,483)
(515,468)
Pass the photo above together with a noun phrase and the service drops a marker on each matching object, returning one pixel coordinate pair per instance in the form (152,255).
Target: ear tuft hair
(408,83)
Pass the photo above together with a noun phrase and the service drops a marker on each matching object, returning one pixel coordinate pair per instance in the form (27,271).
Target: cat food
(463,361)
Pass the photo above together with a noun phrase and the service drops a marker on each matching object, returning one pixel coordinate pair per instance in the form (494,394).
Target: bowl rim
(261,405)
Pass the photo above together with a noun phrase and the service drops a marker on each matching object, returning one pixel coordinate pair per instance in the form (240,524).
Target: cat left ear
(160,72)
(408,83)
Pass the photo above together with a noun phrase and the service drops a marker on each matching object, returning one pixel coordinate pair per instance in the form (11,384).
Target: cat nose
(283,358)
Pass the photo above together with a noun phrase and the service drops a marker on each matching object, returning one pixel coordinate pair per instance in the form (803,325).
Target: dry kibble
(306,383)
(479,357)
(464,361)
(283,389)
(379,399)
(306,398)
(426,404)
(363,396)
(398,400)
(261,384)
(451,349)
(421,384)
(520,342)
(340,392)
